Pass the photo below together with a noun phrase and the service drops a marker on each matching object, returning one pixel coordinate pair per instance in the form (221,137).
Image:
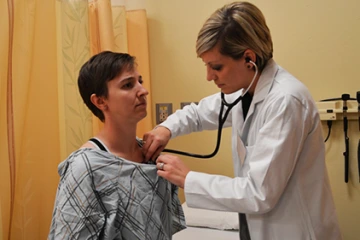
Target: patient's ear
(99,102)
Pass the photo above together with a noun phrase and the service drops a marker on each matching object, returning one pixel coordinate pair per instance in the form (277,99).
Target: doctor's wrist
(163,130)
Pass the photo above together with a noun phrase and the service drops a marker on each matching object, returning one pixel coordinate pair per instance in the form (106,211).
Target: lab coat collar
(265,81)
(264,84)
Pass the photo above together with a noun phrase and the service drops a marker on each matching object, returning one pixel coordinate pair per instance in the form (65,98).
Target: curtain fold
(104,24)
(5,177)
(42,116)
(73,49)
(137,36)
(101,37)
(120,28)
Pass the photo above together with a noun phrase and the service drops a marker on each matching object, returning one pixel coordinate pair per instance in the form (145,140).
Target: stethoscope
(222,119)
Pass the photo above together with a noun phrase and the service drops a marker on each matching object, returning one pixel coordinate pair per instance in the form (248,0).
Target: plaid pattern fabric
(101,196)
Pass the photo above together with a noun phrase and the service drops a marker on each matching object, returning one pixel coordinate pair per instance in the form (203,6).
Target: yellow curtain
(29,118)
(42,117)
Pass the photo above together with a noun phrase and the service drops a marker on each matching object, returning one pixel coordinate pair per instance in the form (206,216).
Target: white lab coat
(281,179)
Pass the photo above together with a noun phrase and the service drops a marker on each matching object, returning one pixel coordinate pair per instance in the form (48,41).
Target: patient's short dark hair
(97,71)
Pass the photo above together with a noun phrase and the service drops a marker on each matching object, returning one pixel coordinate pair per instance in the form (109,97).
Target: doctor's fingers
(153,147)
(172,169)
(167,159)
(172,163)
(153,150)
(146,142)
(148,148)
(176,179)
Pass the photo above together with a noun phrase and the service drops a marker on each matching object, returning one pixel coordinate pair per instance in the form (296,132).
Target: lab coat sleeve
(272,159)
(196,118)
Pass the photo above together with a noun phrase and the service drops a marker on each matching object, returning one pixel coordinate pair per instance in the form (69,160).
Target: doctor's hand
(172,168)
(155,142)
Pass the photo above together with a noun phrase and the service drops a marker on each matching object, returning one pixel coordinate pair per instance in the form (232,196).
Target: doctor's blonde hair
(236,27)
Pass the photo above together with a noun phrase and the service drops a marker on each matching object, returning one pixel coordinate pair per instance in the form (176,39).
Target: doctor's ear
(250,58)
(98,102)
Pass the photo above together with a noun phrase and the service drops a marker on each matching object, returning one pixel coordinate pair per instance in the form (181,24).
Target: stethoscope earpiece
(248,60)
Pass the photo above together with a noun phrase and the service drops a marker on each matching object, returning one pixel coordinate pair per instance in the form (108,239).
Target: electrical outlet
(163,110)
(183,104)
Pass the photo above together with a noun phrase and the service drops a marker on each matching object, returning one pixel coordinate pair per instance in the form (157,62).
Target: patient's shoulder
(88,145)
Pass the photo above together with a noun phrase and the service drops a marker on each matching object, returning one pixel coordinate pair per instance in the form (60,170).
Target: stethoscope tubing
(221,121)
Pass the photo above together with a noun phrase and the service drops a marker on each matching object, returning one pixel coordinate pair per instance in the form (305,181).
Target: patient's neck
(121,141)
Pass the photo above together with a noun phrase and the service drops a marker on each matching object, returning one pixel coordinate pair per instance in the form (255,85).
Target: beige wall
(317,41)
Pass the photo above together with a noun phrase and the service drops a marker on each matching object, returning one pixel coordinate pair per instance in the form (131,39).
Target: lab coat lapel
(262,89)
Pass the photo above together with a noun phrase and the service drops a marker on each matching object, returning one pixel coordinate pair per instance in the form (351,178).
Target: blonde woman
(281,189)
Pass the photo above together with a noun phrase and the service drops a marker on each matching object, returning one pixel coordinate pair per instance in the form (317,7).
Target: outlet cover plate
(163,110)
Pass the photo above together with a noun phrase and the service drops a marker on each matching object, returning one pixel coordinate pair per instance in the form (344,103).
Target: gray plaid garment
(101,196)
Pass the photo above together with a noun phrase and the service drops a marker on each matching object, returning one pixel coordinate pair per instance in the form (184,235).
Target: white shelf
(333,110)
